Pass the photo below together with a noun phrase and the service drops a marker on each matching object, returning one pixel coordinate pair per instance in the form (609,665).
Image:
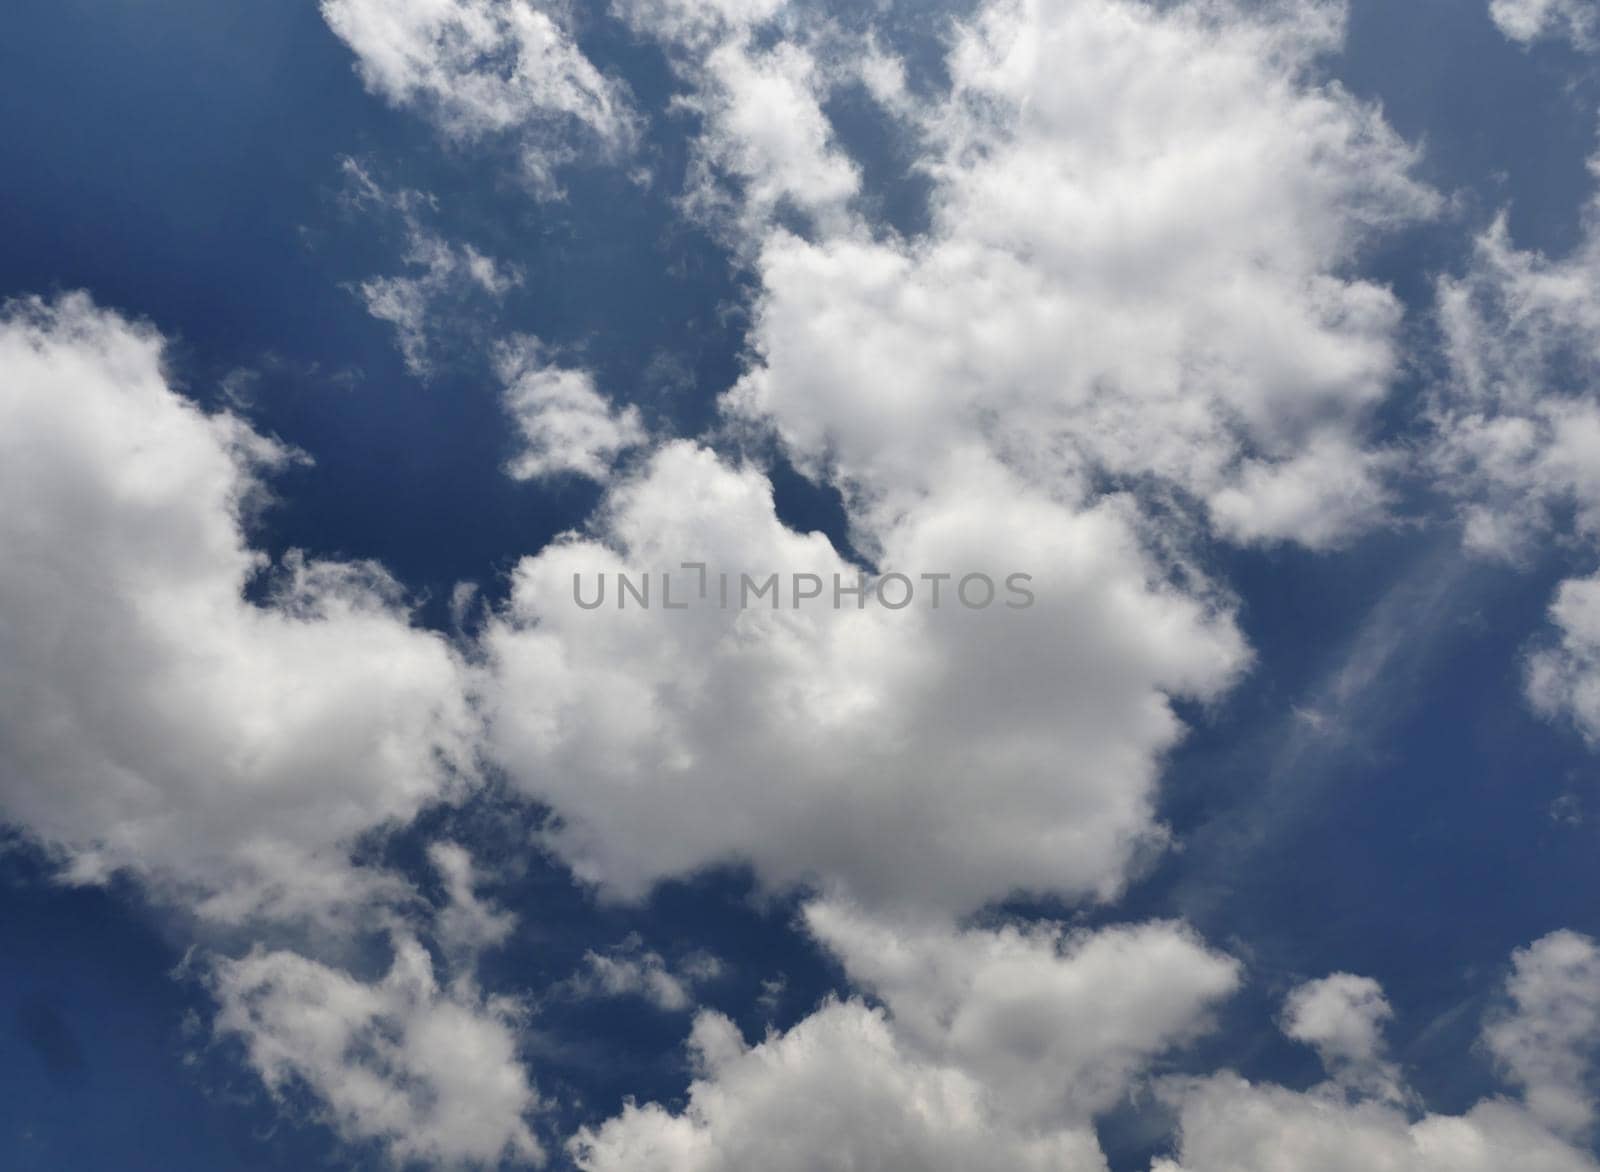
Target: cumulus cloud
(485,69)
(1527,21)
(1142,220)
(1548,1038)
(1342,1018)
(429,1073)
(764,144)
(835,1093)
(1055,1024)
(937,758)
(229,751)
(1230,1125)
(993,1050)
(1227,1124)
(566,424)
(1518,432)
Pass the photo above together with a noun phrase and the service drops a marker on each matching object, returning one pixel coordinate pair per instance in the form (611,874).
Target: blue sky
(1299,468)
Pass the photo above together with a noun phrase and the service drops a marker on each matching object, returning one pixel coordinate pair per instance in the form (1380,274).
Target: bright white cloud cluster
(764,143)
(1137,283)
(936,758)
(154,718)
(1518,433)
(1548,1038)
(1055,1024)
(1229,1125)
(992,1052)
(566,424)
(1530,20)
(428,1072)
(482,68)
(1141,220)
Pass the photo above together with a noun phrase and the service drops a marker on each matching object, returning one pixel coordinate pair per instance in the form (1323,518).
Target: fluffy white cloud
(1548,1039)
(428,1072)
(1342,1018)
(566,424)
(1529,20)
(834,1094)
(482,68)
(764,143)
(154,718)
(1518,432)
(1519,422)
(1564,679)
(920,757)
(1142,218)
(1054,1024)
(994,1050)
(1352,1124)
(1230,1125)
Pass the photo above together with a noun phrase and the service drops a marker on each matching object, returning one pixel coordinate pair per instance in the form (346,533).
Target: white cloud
(1356,1123)
(764,143)
(1518,432)
(1564,679)
(1142,218)
(429,1073)
(154,719)
(439,272)
(1530,20)
(489,68)
(466,926)
(1342,1018)
(834,1094)
(845,746)
(1230,1125)
(1548,1038)
(566,424)
(1054,1024)
(994,1050)
(631,970)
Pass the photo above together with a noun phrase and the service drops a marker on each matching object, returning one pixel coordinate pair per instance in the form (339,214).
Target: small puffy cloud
(1564,679)
(764,142)
(1342,1018)
(440,274)
(1547,1040)
(483,69)
(226,750)
(466,926)
(1527,21)
(428,1073)
(566,424)
(631,970)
